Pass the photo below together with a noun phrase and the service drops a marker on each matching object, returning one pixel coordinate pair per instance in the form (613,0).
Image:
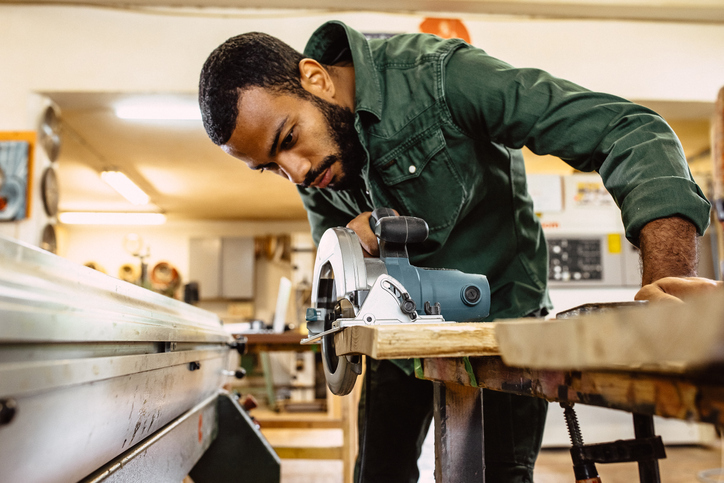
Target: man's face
(310,141)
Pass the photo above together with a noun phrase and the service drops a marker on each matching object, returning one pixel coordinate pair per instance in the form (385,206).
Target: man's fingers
(361,226)
(654,293)
(677,288)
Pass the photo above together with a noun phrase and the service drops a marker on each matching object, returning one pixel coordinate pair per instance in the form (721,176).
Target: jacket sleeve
(637,154)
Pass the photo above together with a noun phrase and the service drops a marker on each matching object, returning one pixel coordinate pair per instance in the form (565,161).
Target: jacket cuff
(661,198)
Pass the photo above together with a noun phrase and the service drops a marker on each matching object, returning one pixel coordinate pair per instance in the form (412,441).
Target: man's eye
(288,140)
(267,166)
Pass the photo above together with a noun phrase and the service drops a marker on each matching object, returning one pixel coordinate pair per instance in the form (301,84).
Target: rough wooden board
(657,337)
(693,397)
(418,340)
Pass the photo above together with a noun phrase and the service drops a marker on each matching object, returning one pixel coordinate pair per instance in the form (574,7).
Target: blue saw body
(463,297)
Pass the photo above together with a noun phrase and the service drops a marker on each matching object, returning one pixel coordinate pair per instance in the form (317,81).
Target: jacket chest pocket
(420,176)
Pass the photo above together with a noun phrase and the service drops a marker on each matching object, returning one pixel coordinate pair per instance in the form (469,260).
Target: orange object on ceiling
(447,28)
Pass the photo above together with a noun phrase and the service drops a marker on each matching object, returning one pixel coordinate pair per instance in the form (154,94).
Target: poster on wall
(15,166)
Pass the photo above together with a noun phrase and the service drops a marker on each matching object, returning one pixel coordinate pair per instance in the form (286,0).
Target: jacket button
(412,169)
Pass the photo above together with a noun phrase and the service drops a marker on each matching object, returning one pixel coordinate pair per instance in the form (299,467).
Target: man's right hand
(361,226)
(677,289)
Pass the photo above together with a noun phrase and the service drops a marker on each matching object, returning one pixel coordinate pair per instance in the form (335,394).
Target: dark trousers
(395,412)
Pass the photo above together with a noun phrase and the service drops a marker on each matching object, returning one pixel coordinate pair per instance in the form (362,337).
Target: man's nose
(294,169)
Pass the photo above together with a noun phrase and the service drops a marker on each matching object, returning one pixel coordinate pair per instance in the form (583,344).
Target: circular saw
(349,289)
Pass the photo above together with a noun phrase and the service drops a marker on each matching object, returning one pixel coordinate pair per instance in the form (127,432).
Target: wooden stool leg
(459,441)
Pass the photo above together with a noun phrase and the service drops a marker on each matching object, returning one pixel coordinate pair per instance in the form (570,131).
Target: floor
(682,465)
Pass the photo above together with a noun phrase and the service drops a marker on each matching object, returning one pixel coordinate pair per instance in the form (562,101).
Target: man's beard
(350,153)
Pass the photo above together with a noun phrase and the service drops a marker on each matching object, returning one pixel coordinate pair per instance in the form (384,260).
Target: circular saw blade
(339,272)
(340,371)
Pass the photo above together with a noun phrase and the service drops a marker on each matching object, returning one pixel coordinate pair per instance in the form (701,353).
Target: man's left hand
(677,289)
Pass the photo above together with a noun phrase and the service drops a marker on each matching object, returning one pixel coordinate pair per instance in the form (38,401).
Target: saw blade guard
(339,270)
(339,275)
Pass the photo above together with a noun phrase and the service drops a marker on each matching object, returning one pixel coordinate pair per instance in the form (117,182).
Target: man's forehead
(259,116)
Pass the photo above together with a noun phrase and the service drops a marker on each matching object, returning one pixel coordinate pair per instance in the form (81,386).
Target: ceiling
(705,11)
(174,162)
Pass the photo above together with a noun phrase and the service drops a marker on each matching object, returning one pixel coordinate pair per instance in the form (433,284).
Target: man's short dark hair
(248,60)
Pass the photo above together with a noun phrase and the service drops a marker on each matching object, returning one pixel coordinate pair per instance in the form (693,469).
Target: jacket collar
(329,42)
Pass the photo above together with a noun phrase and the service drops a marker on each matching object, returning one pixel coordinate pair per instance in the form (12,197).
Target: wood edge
(375,341)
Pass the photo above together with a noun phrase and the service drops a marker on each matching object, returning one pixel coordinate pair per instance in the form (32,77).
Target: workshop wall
(170,243)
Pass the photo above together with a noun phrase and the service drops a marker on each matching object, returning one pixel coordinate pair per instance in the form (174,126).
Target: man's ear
(316,79)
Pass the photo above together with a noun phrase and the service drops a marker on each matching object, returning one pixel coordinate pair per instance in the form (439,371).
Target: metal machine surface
(94,372)
(349,289)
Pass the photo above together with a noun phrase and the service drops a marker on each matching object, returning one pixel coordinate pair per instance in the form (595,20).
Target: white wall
(64,48)
(170,243)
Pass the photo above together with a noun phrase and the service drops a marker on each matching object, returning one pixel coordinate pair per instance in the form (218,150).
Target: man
(432,128)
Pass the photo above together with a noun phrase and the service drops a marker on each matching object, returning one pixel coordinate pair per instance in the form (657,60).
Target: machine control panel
(605,260)
(574,259)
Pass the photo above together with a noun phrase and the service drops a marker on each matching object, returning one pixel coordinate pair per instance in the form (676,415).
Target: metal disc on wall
(49,132)
(50,191)
(48,241)
(129,273)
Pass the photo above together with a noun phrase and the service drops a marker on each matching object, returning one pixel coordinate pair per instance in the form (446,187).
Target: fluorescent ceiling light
(96,218)
(158,110)
(125,187)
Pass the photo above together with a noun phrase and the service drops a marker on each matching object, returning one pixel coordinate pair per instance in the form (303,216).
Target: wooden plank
(268,342)
(694,396)
(717,153)
(660,337)
(418,340)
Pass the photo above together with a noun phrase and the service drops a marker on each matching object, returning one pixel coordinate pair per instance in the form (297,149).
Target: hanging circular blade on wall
(49,131)
(48,241)
(49,187)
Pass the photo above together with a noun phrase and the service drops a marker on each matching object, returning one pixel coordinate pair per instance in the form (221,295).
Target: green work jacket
(443,122)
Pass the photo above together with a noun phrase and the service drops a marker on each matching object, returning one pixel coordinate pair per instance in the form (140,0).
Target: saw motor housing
(349,289)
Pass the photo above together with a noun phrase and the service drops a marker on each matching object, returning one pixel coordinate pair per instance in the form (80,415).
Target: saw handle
(395,232)
(391,227)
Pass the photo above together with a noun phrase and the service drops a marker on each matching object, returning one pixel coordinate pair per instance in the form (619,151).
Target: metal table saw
(102,380)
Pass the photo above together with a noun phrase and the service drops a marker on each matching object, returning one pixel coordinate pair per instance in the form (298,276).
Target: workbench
(649,360)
